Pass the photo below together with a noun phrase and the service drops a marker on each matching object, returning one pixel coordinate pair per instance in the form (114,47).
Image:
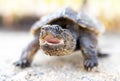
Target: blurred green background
(21,14)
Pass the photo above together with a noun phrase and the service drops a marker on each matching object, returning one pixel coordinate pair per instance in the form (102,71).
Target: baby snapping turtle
(63,32)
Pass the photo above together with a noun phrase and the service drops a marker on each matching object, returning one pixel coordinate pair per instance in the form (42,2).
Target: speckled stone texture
(64,68)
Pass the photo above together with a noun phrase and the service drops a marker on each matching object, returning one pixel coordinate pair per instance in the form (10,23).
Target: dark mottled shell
(82,19)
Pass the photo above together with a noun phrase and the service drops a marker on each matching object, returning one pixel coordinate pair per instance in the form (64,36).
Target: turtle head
(56,41)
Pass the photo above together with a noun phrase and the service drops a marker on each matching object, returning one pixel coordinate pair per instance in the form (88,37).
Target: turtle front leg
(88,44)
(28,54)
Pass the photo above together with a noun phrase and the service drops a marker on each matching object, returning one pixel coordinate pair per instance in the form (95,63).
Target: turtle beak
(49,38)
(52,39)
(49,34)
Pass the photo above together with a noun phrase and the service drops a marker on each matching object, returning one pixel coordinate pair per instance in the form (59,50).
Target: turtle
(63,32)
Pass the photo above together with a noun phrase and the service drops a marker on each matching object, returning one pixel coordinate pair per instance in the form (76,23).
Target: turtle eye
(58,29)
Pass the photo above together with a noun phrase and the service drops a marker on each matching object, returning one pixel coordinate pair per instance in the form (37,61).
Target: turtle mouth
(51,40)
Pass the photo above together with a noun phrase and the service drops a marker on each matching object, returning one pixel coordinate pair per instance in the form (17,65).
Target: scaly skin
(83,39)
(63,32)
(65,47)
(87,41)
(28,53)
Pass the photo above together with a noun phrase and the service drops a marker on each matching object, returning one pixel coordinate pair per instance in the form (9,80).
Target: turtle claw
(89,64)
(22,63)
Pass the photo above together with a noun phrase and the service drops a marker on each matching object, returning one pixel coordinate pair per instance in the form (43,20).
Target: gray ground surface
(65,68)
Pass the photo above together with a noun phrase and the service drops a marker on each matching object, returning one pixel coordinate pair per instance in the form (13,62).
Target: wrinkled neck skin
(65,48)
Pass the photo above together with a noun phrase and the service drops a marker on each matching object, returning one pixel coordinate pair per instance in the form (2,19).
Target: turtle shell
(82,19)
